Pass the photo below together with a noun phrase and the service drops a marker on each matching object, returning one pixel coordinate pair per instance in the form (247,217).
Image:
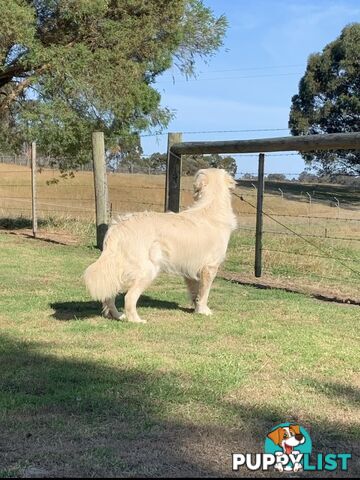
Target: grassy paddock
(81,395)
(67,209)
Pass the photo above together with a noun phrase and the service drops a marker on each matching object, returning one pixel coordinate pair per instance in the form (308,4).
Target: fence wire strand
(314,245)
(48,205)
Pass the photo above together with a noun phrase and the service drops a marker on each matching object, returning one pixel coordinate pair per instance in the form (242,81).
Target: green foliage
(68,67)
(192,163)
(307,177)
(156,163)
(276,177)
(227,163)
(329,99)
(127,153)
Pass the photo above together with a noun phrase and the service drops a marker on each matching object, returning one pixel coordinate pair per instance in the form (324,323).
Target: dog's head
(212,178)
(287,437)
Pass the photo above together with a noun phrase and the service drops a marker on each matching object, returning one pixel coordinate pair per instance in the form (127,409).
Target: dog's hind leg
(193,289)
(134,293)
(109,309)
(207,276)
(131,299)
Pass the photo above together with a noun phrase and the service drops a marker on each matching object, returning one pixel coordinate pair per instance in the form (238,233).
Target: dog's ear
(201,180)
(276,435)
(295,429)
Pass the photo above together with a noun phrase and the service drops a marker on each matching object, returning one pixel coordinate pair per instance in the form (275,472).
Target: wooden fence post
(101,190)
(259,216)
(173,175)
(33,189)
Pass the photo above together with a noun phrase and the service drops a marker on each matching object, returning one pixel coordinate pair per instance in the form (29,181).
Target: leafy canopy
(68,67)
(329,100)
(192,163)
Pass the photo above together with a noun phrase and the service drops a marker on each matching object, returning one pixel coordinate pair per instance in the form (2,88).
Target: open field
(85,396)
(75,195)
(348,196)
(330,261)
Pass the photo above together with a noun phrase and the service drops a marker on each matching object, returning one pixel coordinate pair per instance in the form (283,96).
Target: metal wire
(247,247)
(321,277)
(314,245)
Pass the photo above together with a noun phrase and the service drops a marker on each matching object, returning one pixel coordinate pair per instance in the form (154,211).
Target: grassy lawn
(334,269)
(68,207)
(85,396)
(326,258)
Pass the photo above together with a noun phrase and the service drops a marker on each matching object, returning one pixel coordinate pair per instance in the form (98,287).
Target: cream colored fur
(192,243)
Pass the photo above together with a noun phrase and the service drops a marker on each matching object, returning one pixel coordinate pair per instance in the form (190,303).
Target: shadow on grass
(84,310)
(337,391)
(19,223)
(75,310)
(11,225)
(82,418)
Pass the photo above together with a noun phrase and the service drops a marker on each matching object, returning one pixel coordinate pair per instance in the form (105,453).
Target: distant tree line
(133,161)
(309,177)
(130,159)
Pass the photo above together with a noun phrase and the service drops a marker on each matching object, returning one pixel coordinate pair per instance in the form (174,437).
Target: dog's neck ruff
(217,205)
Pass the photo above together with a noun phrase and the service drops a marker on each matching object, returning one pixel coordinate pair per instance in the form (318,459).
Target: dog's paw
(136,319)
(139,320)
(109,310)
(203,310)
(279,467)
(113,315)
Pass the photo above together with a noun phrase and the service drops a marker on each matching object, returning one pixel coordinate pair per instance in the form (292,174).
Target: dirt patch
(327,294)
(59,238)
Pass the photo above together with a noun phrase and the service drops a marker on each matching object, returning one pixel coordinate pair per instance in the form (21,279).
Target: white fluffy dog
(192,243)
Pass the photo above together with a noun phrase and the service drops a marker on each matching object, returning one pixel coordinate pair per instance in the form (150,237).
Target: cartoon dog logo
(288,438)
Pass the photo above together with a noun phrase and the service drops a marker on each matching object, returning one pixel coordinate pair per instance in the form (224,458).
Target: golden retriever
(192,244)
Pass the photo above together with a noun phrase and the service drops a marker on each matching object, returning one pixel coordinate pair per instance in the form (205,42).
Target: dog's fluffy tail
(102,278)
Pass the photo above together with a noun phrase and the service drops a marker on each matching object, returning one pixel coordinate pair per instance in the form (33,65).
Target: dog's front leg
(207,276)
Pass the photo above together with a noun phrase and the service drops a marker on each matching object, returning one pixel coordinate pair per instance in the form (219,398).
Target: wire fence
(327,215)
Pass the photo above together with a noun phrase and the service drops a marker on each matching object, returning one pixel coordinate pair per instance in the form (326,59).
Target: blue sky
(250,81)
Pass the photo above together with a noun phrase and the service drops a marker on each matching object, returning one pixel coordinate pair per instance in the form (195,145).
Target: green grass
(66,211)
(334,266)
(81,395)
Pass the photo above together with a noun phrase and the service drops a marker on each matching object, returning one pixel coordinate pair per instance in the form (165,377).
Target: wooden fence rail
(303,143)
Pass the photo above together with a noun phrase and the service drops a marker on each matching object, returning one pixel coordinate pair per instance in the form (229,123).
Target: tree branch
(20,87)
(10,73)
